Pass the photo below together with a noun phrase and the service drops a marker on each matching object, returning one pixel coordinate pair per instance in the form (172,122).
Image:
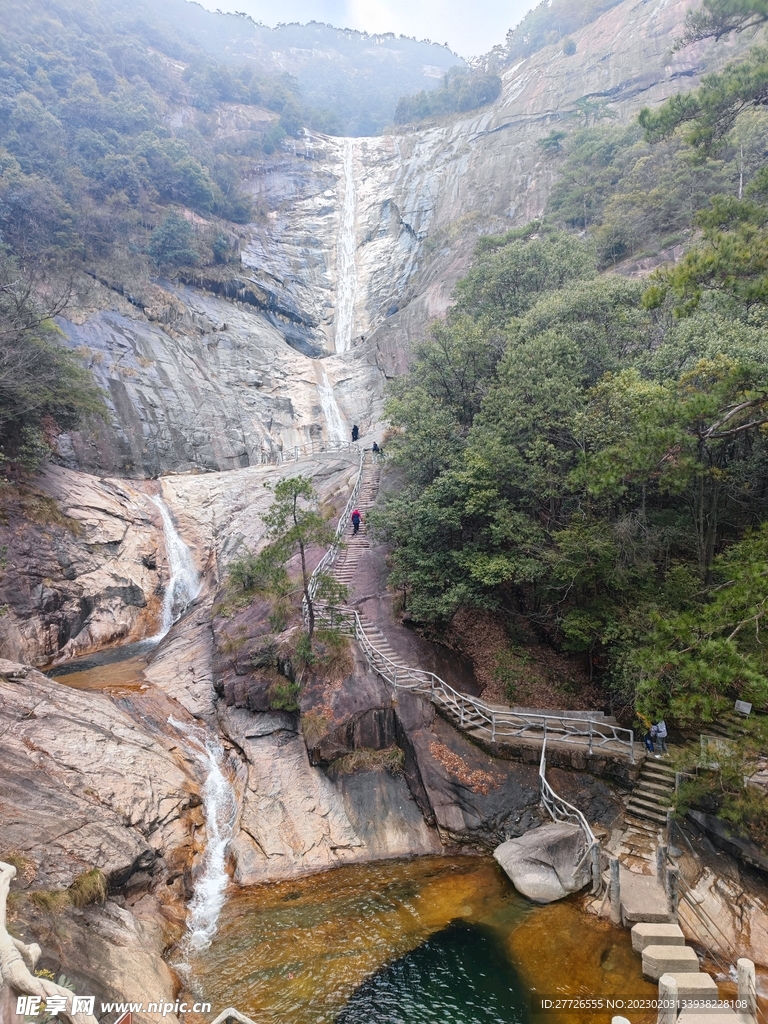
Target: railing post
(590,735)
(745,972)
(631,746)
(493,727)
(615,895)
(661,862)
(673,889)
(596,873)
(667,1000)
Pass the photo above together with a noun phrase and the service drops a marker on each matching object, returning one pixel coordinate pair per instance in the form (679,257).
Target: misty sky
(469,28)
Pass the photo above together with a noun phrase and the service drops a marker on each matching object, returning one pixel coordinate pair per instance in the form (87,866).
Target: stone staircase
(652,796)
(598,733)
(354,544)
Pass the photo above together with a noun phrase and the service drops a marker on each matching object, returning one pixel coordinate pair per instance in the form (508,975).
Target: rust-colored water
(296,952)
(117,675)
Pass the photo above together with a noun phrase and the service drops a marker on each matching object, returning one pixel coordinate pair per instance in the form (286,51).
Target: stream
(430,940)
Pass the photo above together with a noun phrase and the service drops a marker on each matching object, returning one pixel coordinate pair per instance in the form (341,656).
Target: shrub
(172,243)
(282,696)
(391,760)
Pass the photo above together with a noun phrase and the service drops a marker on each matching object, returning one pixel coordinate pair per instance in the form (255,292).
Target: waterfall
(219,812)
(346,249)
(184,583)
(334,421)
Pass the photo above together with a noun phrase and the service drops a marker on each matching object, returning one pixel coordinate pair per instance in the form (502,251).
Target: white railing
(560,810)
(470,712)
(301,451)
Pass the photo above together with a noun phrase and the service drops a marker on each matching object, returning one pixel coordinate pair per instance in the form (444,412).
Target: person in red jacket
(356,517)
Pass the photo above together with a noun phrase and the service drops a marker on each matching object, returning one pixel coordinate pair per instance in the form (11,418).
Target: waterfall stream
(219,813)
(184,583)
(346,265)
(334,420)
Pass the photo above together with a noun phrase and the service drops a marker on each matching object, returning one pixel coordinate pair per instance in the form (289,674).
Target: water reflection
(343,947)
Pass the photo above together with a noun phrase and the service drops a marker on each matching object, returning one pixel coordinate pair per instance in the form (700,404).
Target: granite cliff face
(360,244)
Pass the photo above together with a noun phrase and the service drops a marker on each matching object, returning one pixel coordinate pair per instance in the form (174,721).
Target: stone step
(656,801)
(655,767)
(658,933)
(694,985)
(655,782)
(642,899)
(649,815)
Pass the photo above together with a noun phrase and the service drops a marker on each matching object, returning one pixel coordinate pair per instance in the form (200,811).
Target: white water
(184,584)
(334,421)
(219,812)
(346,266)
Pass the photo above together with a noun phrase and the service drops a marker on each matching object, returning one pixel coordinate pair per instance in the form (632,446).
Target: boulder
(541,864)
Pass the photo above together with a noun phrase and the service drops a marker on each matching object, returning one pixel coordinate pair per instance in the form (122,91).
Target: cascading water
(219,812)
(335,424)
(184,584)
(346,264)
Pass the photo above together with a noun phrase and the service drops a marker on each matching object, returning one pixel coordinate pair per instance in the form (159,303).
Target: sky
(469,28)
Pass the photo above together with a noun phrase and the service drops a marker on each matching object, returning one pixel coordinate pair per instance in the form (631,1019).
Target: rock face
(541,863)
(83,786)
(361,245)
(85,566)
(86,784)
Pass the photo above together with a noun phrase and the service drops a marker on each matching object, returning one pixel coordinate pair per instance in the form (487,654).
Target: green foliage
(43,389)
(508,278)
(716,782)
(283,696)
(172,243)
(589,452)
(294,522)
(721,17)
(710,112)
(462,90)
(549,22)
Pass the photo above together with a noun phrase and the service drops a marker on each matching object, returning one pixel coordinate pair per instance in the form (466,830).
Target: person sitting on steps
(356,517)
(355,432)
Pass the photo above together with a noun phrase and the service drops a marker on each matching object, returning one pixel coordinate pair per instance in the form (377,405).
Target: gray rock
(541,863)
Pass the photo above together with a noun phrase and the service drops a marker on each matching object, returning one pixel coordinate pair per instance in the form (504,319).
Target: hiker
(355,521)
(375,448)
(660,735)
(355,432)
(648,739)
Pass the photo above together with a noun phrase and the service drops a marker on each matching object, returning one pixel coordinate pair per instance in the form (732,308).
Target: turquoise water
(461,974)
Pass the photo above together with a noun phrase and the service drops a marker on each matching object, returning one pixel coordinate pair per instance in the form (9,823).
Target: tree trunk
(307,598)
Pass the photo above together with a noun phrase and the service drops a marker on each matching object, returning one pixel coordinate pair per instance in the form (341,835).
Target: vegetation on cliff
(43,389)
(587,452)
(462,90)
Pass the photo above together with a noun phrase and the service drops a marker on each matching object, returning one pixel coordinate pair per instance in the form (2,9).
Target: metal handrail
(298,451)
(470,711)
(560,810)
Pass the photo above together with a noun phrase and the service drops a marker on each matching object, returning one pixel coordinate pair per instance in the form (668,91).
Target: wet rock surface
(85,566)
(90,782)
(85,786)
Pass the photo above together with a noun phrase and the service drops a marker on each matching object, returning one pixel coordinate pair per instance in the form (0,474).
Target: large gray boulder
(541,864)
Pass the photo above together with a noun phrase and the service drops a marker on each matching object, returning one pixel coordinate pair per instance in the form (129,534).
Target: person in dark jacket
(375,448)
(355,521)
(355,432)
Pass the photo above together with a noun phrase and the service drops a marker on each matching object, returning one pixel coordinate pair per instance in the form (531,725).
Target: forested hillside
(585,452)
